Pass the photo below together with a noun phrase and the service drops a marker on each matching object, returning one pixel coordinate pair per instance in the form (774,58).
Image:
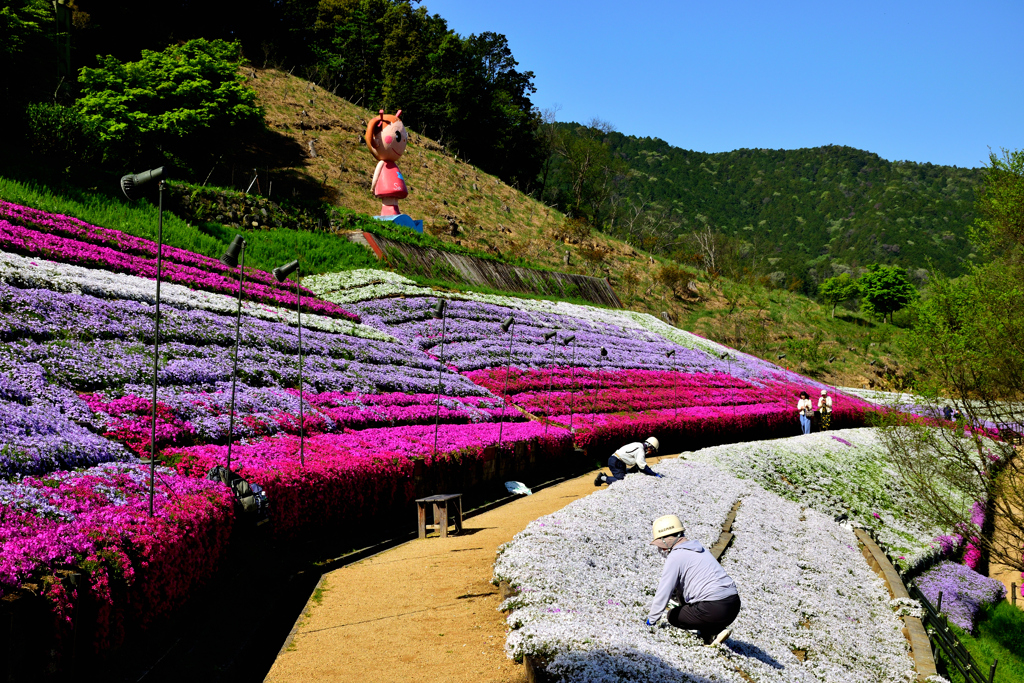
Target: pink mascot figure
(386,139)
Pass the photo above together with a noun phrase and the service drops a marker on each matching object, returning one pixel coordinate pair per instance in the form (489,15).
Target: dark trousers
(619,470)
(709,618)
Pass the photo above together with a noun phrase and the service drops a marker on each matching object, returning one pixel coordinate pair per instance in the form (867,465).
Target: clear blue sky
(921,81)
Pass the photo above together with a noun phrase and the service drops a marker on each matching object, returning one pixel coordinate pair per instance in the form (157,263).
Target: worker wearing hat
(630,458)
(708,596)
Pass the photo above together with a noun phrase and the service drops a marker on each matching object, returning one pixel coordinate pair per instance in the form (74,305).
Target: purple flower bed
(964,591)
(474,340)
(30,242)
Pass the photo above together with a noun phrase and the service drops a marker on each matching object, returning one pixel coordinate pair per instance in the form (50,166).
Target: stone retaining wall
(472,270)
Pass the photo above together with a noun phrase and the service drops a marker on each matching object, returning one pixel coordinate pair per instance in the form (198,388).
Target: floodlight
(507,323)
(604,352)
(439,308)
(671,353)
(230,257)
(549,335)
(568,340)
(281,273)
(131,183)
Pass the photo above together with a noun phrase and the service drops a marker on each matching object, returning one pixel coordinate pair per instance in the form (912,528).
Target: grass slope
(496,219)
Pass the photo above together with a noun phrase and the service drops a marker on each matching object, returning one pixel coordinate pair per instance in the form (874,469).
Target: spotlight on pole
(600,363)
(571,339)
(675,385)
(551,362)
(231,259)
(281,273)
(506,325)
(728,359)
(781,356)
(440,310)
(131,183)
(131,186)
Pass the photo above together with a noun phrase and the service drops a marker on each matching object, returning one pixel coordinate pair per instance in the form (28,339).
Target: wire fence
(954,655)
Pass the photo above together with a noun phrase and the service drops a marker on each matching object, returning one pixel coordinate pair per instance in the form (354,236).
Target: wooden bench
(440,503)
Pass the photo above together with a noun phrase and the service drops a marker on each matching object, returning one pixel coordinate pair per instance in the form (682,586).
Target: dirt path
(424,611)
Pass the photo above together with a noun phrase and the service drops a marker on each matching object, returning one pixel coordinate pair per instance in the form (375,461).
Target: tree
(1001,206)
(969,337)
(885,290)
(836,290)
(181,105)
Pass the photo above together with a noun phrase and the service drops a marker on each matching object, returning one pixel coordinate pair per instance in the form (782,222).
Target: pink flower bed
(138,568)
(356,475)
(30,242)
(69,226)
(693,427)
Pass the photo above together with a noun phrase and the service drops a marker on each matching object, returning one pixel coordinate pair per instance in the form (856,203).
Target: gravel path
(424,611)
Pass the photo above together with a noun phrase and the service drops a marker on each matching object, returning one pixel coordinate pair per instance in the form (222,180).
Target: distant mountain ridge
(813,212)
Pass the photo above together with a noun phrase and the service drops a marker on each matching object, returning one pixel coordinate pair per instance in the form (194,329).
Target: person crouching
(710,601)
(630,458)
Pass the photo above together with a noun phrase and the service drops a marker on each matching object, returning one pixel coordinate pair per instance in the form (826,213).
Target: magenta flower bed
(69,226)
(138,568)
(356,475)
(30,242)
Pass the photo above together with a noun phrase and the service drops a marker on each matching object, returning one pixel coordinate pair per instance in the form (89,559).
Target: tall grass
(999,635)
(267,249)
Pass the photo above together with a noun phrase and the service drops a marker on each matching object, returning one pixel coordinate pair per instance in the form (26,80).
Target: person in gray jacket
(708,596)
(630,458)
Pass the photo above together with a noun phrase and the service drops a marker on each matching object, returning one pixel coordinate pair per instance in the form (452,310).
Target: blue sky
(921,81)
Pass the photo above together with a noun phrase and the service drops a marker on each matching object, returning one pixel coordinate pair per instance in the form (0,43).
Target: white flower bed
(822,471)
(361,285)
(587,575)
(40,273)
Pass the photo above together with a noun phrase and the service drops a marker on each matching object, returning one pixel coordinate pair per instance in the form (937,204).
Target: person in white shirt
(630,458)
(709,599)
(825,410)
(806,410)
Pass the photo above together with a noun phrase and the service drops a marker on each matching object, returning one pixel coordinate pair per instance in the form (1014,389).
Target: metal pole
(547,398)
(593,415)
(508,364)
(675,392)
(234,371)
(440,367)
(302,419)
(1013,594)
(156,346)
(572,386)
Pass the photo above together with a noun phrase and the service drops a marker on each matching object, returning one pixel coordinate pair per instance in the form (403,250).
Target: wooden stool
(440,503)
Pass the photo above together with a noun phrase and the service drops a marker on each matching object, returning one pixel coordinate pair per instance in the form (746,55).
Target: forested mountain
(801,214)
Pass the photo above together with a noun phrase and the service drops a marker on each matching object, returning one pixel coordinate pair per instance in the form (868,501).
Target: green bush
(183,104)
(60,135)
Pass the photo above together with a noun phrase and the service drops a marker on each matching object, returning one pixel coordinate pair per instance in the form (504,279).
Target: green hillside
(806,213)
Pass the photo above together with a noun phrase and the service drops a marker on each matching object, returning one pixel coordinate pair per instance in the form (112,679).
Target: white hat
(669,525)
(653,443)
(824,392)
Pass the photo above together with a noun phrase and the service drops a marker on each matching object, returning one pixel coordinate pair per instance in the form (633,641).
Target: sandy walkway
(424,611)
